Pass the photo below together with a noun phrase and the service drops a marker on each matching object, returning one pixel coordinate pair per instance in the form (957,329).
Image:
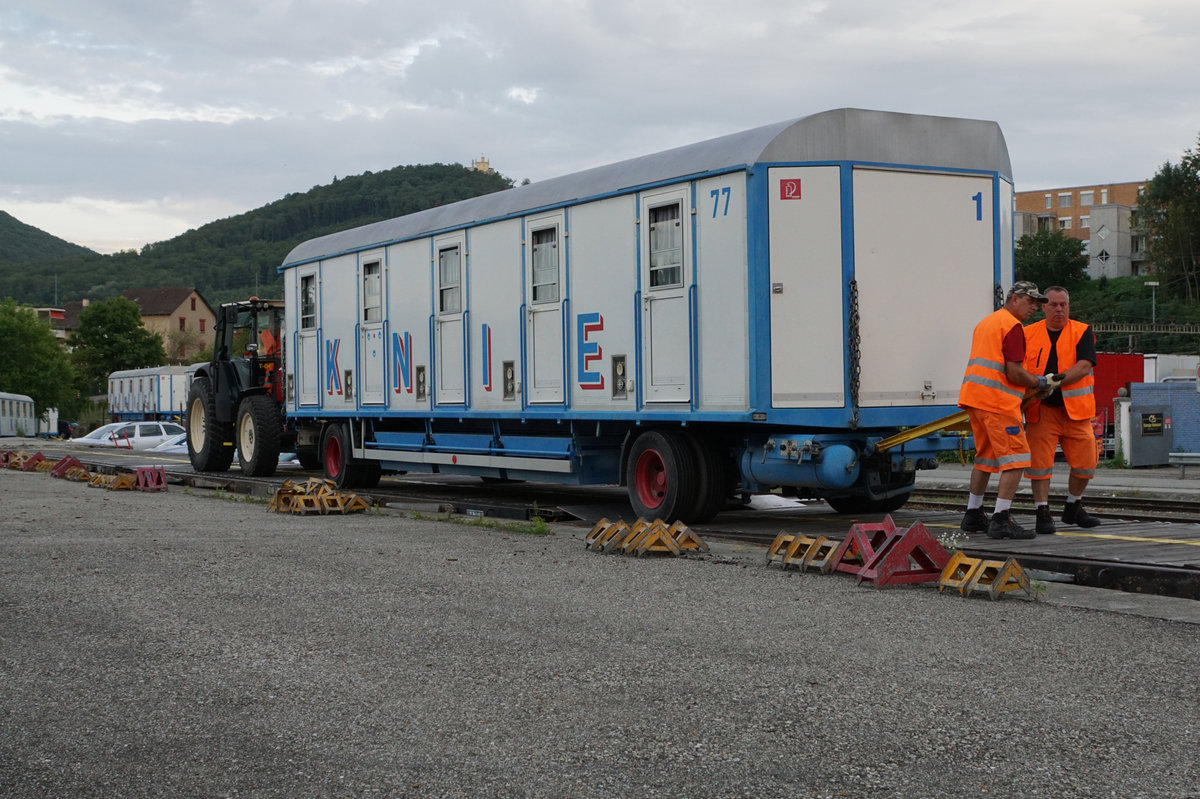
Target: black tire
(259,430)
(210,443)
(714,479)
(660,476)
(865,505)
(370,473)
(338,464)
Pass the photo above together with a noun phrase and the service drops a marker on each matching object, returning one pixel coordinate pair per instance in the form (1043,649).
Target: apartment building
(1100,216)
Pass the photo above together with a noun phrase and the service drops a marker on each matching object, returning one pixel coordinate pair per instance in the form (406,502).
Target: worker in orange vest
(1064,416)
(992,391)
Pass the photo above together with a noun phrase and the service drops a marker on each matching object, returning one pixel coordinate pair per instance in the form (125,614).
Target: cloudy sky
(129,121)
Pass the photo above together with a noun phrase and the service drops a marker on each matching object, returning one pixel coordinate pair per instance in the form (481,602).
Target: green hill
(235,257)
(23,244)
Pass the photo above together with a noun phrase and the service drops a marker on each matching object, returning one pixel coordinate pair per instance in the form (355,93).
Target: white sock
(974,501)
(1003,505)
(1072,498)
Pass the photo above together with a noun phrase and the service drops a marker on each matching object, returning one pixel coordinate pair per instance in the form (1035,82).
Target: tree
(1169,212)
(31,361)
(110,337)
(1051,258)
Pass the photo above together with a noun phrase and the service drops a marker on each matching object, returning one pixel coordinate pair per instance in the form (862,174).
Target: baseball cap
(1027,288)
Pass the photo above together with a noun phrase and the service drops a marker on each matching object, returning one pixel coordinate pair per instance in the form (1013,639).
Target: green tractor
(236,400)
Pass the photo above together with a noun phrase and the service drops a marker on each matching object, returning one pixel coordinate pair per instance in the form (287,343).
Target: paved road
(176,644)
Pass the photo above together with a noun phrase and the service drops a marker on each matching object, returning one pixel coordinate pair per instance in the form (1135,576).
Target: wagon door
(370,333)
(543,310)
(805,207)
(666,322)
(449,343)
(903,263)
(308,348)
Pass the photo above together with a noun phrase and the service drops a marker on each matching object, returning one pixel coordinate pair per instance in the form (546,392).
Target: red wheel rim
(650,479)
(333,456)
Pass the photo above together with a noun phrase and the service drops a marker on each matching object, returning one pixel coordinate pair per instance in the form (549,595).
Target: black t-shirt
(1085,350)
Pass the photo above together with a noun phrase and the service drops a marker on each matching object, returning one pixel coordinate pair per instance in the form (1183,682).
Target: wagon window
(372,295)
(545,265)
(449,281)
(308,302)
(666,246)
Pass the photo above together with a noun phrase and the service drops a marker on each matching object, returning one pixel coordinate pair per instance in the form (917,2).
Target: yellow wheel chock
(594,534)
(78,474)
(124,481)
(779,547)
(991,577)
(643,538)
(999,577)
(611,537)
(656,540)
(682,535)
(800,551)
(635,534)
(308,503)
(315,496)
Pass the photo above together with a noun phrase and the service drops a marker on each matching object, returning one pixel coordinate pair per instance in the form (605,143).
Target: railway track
(1150,509)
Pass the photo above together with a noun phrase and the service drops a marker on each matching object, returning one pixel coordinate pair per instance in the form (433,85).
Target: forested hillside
(21,243)
(235,257)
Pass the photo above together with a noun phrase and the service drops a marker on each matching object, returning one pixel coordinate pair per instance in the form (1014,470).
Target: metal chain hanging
(855,354)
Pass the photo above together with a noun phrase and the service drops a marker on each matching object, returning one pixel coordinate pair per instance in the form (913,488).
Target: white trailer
(739,314)
(16,415)
(157,392)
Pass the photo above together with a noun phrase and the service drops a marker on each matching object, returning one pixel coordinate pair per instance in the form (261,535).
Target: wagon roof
(844,134)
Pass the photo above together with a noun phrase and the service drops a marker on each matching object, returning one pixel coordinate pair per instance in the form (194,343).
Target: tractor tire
(660,475)
(259,430)
(210,443)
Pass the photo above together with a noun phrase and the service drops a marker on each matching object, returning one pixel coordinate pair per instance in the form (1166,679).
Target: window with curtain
(449,281)
(308,302)
(545,265)
(666,246)
(372,293)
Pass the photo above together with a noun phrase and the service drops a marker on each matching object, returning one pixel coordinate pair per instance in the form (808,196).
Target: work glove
(1047,384)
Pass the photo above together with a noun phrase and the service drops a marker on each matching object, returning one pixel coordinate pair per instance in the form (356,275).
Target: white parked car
(132,435)
(175,445)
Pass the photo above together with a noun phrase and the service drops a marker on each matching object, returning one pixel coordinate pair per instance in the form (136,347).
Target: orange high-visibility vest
(1079,401)
(985,384)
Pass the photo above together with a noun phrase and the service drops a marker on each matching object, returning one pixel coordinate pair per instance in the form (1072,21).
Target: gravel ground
(181,644)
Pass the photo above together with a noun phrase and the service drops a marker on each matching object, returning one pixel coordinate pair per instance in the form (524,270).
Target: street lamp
(1153,284)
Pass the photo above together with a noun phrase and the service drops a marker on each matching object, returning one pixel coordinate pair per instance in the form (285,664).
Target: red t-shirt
(1014,345)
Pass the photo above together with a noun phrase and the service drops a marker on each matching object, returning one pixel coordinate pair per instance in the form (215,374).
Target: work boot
(1045,520)
(1073,513)
(1003,525)
(975,521)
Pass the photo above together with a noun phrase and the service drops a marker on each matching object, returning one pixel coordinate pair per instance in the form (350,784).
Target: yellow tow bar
(955,422)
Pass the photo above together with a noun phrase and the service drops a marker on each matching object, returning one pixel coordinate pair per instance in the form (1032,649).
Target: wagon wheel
(661,476)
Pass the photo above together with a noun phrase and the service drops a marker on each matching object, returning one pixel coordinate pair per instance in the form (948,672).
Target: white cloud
(523,95)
